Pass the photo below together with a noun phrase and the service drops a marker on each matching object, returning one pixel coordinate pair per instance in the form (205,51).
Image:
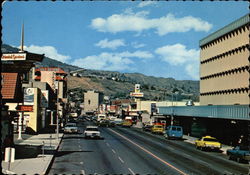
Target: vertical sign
(28,96)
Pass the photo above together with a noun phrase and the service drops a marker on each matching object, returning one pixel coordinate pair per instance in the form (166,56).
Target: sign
(25,108)
(138,94)
(13,56)
(137,88)
(28,96)
(45,99)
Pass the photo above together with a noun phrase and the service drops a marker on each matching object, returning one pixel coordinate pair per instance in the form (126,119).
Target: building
(224,65)
(92,101)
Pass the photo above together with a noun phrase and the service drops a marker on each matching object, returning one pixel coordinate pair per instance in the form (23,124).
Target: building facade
(224,65)
(92,100)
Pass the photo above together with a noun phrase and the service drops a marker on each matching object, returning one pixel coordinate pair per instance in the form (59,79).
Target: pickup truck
(239,153)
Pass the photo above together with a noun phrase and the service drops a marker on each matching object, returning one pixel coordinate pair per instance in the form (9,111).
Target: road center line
(121,159)
(131,171)
(113,151)
(81,163)
(107,144)
(145,150)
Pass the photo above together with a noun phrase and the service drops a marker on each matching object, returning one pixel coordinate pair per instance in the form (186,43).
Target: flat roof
(228,28)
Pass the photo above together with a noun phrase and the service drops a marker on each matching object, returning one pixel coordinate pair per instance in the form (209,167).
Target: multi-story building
(92,101)
(224,65)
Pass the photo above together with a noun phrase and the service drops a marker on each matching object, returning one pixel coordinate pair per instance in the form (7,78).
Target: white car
(92,132)
(71,128)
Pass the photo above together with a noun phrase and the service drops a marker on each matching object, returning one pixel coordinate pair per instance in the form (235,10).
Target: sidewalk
(33,154)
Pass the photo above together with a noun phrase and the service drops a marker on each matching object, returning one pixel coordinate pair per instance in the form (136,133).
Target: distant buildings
(224,65)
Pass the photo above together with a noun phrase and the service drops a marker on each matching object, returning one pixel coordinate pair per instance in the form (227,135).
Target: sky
(154,38)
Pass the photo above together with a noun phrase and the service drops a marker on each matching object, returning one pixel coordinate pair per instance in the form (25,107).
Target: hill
(119,85)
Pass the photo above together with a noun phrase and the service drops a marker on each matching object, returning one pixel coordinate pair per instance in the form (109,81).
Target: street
(132,151)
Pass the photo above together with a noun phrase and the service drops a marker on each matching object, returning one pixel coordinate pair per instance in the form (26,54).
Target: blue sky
(154,38)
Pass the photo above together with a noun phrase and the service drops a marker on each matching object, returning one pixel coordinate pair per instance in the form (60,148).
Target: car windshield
(210,139)
(178,129)
(91,129)
(159,126)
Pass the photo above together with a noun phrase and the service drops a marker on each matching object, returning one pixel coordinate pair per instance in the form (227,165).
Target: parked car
(118,121)
(208,142)
(104,123)
(147,127)
(92,132)
(71,128)
(157,129)
(127,123)
(239,153)
(175,132)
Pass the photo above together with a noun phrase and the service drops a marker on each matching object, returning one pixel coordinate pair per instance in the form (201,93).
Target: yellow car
(159,129)
(208,142)
(127,123)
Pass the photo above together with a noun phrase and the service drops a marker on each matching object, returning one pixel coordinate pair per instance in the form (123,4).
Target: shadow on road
(62,153)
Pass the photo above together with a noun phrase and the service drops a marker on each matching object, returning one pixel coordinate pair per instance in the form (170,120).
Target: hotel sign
(13,56)
(136,94)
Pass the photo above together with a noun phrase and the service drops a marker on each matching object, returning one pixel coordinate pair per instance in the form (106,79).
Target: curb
(53,158)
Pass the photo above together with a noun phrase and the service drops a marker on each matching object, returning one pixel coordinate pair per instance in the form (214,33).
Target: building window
(89,102)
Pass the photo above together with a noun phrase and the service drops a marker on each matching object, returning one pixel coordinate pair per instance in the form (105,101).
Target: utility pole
(57,110)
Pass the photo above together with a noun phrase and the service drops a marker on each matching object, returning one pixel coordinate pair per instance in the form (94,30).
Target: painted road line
(150,153)
(81,163)
(121,159)
(107,144)
(83,172)
(131,171)
(113,151)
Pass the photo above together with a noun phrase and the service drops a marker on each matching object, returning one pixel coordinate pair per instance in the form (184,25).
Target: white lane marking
(150,153)
(131,171)
(107,144)
(81,163)
(113,151)
(170,148)
(121,159)
(83,172)
(79,146)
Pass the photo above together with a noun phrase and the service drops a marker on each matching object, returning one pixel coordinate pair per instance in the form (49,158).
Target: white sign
(13,56)
(28,96)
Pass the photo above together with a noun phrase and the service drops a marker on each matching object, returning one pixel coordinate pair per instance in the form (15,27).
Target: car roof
(209,137)
(92,127)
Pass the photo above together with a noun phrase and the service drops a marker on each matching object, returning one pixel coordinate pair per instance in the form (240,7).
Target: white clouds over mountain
(49,51)
(179,55)
(138,22)
(110,44)
(111,61)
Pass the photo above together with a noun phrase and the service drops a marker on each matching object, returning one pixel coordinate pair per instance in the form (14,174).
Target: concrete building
(224,65)
(92,100)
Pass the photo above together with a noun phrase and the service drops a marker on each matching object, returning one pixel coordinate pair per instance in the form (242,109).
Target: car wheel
(196,146)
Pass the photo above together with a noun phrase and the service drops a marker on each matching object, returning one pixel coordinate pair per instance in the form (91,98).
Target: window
(89,102)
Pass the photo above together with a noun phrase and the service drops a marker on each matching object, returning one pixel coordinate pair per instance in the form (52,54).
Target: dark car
(147,127)
(239,153)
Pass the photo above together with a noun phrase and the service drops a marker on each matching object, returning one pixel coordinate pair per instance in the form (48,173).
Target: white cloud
(137,45)
(138,22)
(110,44)
(179,55)
(111,61)
(49,51)
(146,3)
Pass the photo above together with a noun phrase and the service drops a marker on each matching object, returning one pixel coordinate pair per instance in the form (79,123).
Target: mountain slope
(119,85)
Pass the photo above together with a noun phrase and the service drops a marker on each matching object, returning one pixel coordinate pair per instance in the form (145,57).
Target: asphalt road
(132,151)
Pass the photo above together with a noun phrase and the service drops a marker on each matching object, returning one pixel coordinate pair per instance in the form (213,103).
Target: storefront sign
(13,57)
(28,96)
(25,108)
(138,94)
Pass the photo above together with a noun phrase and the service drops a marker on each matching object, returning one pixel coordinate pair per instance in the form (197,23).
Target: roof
(55,69)
(227,29)
(9,85)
